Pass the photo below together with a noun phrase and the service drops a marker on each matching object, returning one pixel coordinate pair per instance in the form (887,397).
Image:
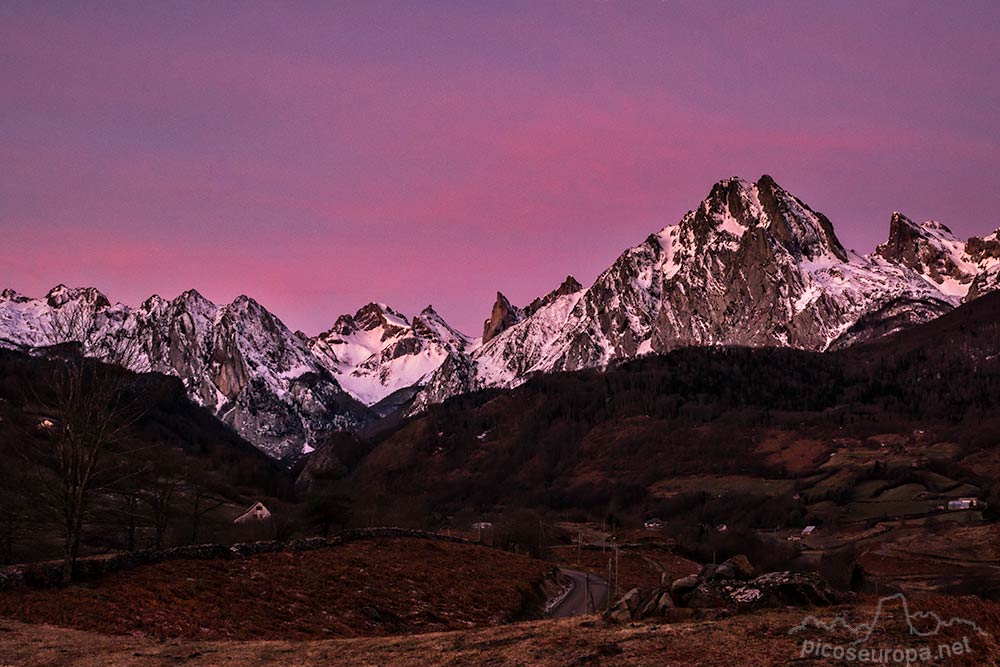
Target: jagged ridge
(752,265)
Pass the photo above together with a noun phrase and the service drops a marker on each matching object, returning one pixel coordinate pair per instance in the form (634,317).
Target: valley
(833,416)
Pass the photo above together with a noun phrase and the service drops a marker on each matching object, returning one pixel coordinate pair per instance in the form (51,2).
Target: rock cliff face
(503,317)
(933,252)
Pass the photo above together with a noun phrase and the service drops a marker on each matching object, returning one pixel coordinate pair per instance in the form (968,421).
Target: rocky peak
(375,315)
(503,316)
(905,234)
(429,312)
(568,286)
(429,325)
(154,302)
(191,301)
(902,243)
(192,295)
(12,295)
(246,305)
(987,281)
(930,249)
(735,205)
(60,295)
(801,230)
(985,248)
(343,326)
(730,207)
(378,351)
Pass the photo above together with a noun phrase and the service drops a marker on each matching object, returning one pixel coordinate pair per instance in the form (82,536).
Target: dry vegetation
(750,640)
(637,569)
(365,588)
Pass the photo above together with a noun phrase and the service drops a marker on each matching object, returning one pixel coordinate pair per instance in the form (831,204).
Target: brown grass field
(749,640)
(378,587)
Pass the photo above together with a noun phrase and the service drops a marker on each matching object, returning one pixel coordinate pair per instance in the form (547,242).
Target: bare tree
(203,502)
(93,402)
(128,495)
(325,510)
(159,498)
(15,514)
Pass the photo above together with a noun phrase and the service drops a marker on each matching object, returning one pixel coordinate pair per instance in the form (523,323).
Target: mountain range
(752,265)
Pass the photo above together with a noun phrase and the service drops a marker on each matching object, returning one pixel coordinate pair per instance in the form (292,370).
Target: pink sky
(318,156)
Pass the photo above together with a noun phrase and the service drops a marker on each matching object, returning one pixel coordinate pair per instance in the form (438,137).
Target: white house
(962,504)
(257,512)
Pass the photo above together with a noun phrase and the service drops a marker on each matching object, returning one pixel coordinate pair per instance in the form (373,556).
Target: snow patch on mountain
(752,265)
(237,360)
(378,351)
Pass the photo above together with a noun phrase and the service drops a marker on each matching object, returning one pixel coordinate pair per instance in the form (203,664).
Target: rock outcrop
(731,586)
(503,317)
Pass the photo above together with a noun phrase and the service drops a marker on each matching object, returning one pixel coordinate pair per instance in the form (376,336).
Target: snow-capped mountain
(237,360)
(752,265)
(378,351)
(935,253)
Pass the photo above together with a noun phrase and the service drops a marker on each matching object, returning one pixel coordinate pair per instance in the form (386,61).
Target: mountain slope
(592,439)
(752,265)
(237,360)
(932,251)
(378,351)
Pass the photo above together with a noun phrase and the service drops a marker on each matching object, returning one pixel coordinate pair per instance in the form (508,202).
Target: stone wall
(49,573)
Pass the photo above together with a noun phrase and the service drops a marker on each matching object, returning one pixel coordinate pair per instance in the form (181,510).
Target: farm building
(957,504)
(257,512)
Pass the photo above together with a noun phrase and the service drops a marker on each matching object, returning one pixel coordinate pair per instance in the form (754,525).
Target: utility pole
(617,570)
(609,583)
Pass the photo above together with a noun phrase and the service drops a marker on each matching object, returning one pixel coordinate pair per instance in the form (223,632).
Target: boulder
(648,606)
(684,585)
(725,571)
(740,566)
(633,600)
(783,589)
(618,614)
(621,612)
(638,604)
(707,595)
(664,602)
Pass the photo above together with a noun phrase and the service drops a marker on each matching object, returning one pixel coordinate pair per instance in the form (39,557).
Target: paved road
(576,603)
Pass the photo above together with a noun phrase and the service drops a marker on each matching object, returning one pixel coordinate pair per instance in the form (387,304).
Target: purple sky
(318,156)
